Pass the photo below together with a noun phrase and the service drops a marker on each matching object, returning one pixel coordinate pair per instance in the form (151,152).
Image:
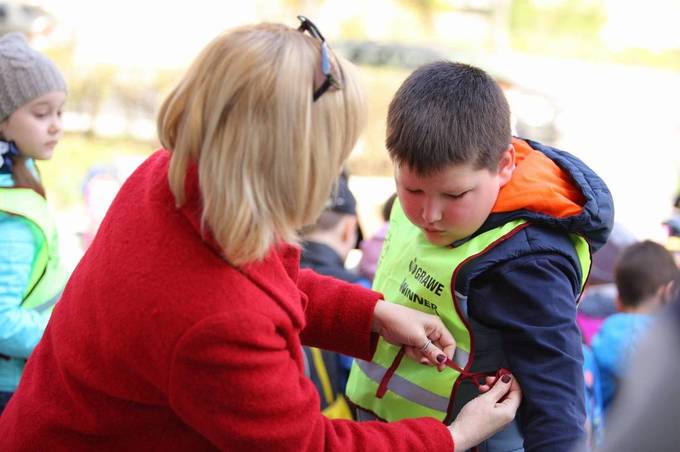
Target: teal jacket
(20,329)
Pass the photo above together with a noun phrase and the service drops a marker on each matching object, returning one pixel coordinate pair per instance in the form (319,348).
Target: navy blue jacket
(527,287)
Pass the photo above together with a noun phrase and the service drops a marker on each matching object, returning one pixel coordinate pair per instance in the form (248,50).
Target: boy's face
(36,127)
(453,203)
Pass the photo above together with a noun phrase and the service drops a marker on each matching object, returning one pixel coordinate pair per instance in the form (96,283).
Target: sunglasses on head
(329,81)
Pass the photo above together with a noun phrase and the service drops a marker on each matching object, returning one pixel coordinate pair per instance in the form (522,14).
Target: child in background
(643,276)
(327,243)
(32,94)
(599,296)
(645,414)
(493,234)
(325,247)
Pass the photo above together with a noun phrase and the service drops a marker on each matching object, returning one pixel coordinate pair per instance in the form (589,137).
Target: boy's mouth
(432,230)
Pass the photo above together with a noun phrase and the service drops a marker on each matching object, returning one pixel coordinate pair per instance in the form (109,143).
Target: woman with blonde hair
(181,328)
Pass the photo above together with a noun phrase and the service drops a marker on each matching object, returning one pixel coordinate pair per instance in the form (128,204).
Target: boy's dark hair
(448,113)
(641,270)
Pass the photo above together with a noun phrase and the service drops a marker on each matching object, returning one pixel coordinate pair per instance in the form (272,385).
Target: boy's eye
(456,195)
(414,191)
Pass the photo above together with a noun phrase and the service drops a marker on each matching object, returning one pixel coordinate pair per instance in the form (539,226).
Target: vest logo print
(424,278)
(414,297)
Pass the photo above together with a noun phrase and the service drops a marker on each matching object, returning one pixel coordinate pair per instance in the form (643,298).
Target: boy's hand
(423,336)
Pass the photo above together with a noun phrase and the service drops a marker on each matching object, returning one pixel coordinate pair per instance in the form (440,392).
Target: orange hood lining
(538,185)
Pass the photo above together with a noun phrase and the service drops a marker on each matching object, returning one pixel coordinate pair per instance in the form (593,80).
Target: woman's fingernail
(441,358)
(505,378)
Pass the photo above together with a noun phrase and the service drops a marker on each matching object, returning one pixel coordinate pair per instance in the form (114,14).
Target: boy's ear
(618,304)
(506,165)
(349,229)
(665,293)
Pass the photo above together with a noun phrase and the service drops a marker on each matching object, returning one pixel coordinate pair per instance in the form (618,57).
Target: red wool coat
(158,344)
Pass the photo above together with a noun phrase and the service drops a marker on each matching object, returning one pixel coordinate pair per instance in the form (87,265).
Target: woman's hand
(486,414)
(424,336)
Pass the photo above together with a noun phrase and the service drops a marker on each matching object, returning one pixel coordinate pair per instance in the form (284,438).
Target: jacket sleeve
(531,300)
(20,329)
(234,380)
(335,308)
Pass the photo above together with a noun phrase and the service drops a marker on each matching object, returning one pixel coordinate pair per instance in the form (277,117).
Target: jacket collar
(553,188)
(539,185)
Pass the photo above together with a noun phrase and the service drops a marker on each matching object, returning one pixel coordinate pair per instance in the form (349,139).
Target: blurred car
(534,113)
(24,17)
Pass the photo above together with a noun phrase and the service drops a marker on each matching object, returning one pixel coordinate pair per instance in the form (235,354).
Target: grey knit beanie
(25,74)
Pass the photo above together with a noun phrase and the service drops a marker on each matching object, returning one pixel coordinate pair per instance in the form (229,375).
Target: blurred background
(597,78)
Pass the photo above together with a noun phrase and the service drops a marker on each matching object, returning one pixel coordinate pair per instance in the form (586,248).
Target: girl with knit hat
(32,93)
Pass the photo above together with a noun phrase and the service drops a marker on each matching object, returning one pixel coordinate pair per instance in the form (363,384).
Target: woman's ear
(506,165)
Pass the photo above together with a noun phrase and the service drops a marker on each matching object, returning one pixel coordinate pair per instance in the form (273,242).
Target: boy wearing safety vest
(494,234)
(32,93)
(644,275)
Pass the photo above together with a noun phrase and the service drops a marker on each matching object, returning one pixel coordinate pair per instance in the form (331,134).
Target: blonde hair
(267,155)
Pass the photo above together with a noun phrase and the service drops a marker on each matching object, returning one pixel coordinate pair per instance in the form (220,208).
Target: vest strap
(404,388)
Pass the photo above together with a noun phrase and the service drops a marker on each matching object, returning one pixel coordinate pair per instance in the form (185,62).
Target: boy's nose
(431,212)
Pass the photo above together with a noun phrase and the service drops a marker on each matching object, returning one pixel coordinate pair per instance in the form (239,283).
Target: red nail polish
(441,358)
(505,378)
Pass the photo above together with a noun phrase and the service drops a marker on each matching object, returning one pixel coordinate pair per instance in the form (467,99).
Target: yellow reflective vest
(48,275)
(415,273)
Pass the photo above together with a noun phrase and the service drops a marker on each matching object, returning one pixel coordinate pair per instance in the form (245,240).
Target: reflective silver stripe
(462,302)
(405,388)
(48,304)
(461,357)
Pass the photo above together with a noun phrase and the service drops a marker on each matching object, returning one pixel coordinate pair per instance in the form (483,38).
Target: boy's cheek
(411,213)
